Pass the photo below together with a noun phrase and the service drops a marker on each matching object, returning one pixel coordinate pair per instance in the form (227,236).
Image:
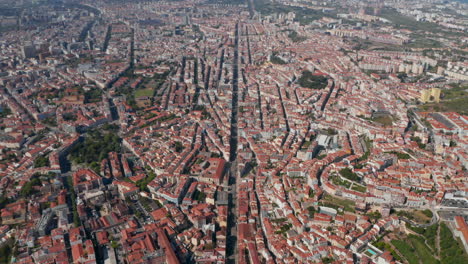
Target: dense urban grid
(232,131)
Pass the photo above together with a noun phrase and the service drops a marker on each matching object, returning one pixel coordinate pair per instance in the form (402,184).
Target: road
(234,169)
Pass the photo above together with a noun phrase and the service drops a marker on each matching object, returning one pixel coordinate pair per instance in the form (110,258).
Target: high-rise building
(28,51)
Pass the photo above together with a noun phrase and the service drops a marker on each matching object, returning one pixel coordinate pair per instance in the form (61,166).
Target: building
(430,95)
(458,70)
(28,51)
(44,225)
(461,230)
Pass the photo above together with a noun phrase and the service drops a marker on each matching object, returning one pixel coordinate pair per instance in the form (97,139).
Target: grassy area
(406,250)
(147,87)
(384,246)
(457,91)
(423,32)
(336,180)
(303,15)
(386,120)
(451,250)
(452,100)
(336,202)
(359,188)
(144,92)
(424,253)
(418,41)
(400,155)
(402,21)
(428,213)
(349,174)
(364,44)
(428,233)
(455,105)
(143,183)
(418,216)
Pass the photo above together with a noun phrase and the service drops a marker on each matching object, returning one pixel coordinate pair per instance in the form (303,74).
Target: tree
(28,188)
(453,143)
(331,131)
(3,201)
(199,196)
(5,111)
(349,174)
(93,95)
(308,80)
(295,37)
(277,60)
(376,215)
(312,211)
(269,164)
(178,146)
(6,250)
(95,147)
(402,155)
(114,244)
(41,161)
